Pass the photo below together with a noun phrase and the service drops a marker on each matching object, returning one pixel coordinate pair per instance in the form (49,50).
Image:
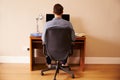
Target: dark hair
(58,9)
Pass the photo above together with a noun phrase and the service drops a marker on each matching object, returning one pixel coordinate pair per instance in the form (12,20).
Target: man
(57,21)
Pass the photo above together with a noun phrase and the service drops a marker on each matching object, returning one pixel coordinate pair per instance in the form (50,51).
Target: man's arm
(73,32)
(43,34)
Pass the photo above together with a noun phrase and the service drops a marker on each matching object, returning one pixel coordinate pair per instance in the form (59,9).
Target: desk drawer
(37,44)
(78,45)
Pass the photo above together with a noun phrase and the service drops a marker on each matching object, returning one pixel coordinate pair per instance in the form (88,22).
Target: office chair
(58,48)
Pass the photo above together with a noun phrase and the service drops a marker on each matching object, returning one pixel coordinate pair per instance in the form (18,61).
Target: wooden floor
(92,72)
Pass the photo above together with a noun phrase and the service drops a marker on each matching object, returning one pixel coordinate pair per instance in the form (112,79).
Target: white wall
(99,19)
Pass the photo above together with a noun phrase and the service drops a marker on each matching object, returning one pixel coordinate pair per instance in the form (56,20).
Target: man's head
(58,9)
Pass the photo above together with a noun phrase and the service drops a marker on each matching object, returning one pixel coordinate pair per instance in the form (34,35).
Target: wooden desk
(36,42)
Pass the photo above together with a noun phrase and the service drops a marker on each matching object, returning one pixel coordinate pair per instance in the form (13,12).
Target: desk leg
(31,54)
(31,59)
(82,58)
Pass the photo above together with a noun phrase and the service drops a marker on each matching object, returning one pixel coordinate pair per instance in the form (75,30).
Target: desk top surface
(77,38)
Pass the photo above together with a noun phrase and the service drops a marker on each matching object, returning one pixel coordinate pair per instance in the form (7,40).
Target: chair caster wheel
(54,79)
(73,76)
(42,73)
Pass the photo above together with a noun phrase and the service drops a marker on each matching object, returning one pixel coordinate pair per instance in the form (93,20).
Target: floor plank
(92,72)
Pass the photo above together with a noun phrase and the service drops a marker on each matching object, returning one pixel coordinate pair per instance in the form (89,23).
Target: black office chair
(58,48)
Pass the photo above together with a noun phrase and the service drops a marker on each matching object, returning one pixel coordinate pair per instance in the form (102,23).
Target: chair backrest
(58,42)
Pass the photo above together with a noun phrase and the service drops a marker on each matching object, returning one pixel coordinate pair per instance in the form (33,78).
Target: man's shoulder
(49,23)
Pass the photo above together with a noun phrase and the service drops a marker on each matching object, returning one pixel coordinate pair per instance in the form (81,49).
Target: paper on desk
(36,34)
(80,34)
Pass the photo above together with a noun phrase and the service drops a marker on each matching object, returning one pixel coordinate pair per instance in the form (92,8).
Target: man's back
(58,22)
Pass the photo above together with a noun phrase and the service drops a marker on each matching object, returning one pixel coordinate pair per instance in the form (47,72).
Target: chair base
(58,67)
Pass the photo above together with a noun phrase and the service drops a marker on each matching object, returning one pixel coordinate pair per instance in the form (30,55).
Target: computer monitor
(51,16)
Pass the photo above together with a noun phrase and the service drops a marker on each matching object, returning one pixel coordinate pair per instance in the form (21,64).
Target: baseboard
(88,60)
(14,59)
(102,60)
